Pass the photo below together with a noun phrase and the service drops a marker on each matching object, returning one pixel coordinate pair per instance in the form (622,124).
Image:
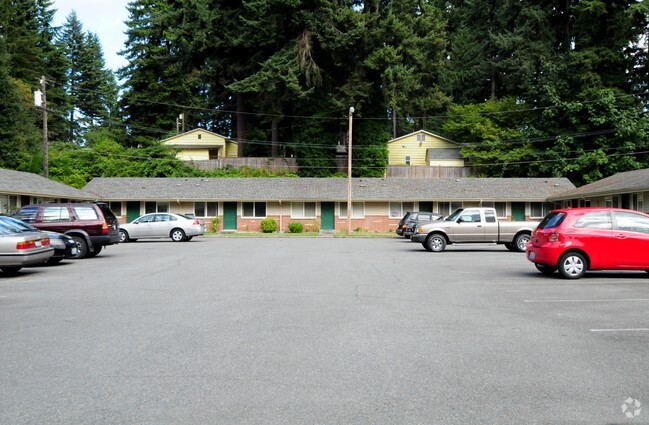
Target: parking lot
(236,330)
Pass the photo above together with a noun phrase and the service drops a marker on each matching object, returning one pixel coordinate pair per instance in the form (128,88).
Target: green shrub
(215,224)
(295,227)
(268,225)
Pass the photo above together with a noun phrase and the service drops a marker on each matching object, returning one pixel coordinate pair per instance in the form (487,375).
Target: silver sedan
(22,248)
(161,225)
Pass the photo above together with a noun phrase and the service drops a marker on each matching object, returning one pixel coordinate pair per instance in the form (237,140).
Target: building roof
(22,183)
(425,132)
(626,182)
(196,130)
(328,189)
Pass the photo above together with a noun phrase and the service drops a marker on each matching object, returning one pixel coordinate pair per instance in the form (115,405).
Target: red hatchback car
(574,240)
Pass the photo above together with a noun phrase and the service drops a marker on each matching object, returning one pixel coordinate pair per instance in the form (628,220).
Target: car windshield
(552,220)
(455,215)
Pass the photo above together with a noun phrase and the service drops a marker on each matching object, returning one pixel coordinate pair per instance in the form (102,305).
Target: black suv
(92,225)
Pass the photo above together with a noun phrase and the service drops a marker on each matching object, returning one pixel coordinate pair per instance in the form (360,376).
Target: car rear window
(552,220)
(108,213)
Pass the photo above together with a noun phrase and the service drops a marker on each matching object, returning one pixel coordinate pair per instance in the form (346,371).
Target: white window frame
(358,210)
(160,207)
(408,159)
(421,138)
(499,206)
(299,210)
(116,203)
(206,209)
(399,209)
(545,209)
(254,209)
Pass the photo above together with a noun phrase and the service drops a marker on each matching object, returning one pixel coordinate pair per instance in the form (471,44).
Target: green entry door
(328,217)
(229,216)
(132,210)
(518,211)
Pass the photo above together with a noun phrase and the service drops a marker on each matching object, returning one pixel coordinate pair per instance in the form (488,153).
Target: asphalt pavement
(322,330)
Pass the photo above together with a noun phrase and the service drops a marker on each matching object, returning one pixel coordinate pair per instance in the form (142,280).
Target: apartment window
(446,208)
(302,209)
(358,210)
(539,209)
(500,207)
(116,208)
(253,210)
(399,209)
(421,138)
(8,203)
(206,209)
(154,207)
(407,159)
(637,202)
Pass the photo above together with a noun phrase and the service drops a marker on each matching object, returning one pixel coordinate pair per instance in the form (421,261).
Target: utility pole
(349,172)
(40,101)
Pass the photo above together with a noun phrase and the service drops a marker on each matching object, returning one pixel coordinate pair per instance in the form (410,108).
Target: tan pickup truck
(474,225)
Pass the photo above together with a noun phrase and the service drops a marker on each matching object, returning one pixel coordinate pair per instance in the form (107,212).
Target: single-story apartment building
(321,203)
(622,190)
(18,188)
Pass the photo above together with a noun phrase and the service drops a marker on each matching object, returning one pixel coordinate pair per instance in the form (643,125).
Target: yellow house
(201,145)
(424,149)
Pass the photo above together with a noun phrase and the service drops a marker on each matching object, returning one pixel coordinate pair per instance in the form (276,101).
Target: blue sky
(102,17)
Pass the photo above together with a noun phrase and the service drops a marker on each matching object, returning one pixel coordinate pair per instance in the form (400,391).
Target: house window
(8,203)
(200,136)
(358,210)
(613,202)
(116,208)
(302,209)
(407,159)
(637,202)
(500,207)
(206,209)
(399,209)
(584,202)
(421,138)
(253,210)
(539,209)
(154,207)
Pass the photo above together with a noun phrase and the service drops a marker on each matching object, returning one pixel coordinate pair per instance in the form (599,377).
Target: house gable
(421,148)
(200,145)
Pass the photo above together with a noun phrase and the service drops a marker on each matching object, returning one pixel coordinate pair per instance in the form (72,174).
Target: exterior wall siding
(398,149)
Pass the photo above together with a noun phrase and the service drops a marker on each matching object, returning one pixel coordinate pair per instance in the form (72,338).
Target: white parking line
(621,330)
(609,300)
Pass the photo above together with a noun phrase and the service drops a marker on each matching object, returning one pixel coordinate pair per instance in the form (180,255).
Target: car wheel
(546,270)
(572,265)
(177,235)
(95,252)
(82,247)
(11,269)
(521,241)
(123,236)
(435,243)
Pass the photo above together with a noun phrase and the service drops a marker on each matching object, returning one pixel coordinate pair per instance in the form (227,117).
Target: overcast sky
(102,17)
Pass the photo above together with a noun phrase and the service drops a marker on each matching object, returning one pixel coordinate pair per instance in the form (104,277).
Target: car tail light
(196,223)
(104,228)
(32,244)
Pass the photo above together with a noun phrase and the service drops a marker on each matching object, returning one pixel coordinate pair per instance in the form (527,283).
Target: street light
(349,172)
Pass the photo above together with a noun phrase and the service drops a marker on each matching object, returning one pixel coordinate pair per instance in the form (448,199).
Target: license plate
(38,244)
(532,255)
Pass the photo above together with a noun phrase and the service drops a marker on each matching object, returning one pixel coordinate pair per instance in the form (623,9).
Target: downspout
(281,216)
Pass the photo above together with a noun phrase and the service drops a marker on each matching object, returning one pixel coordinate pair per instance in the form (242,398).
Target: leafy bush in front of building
(268,225)
(295,227)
